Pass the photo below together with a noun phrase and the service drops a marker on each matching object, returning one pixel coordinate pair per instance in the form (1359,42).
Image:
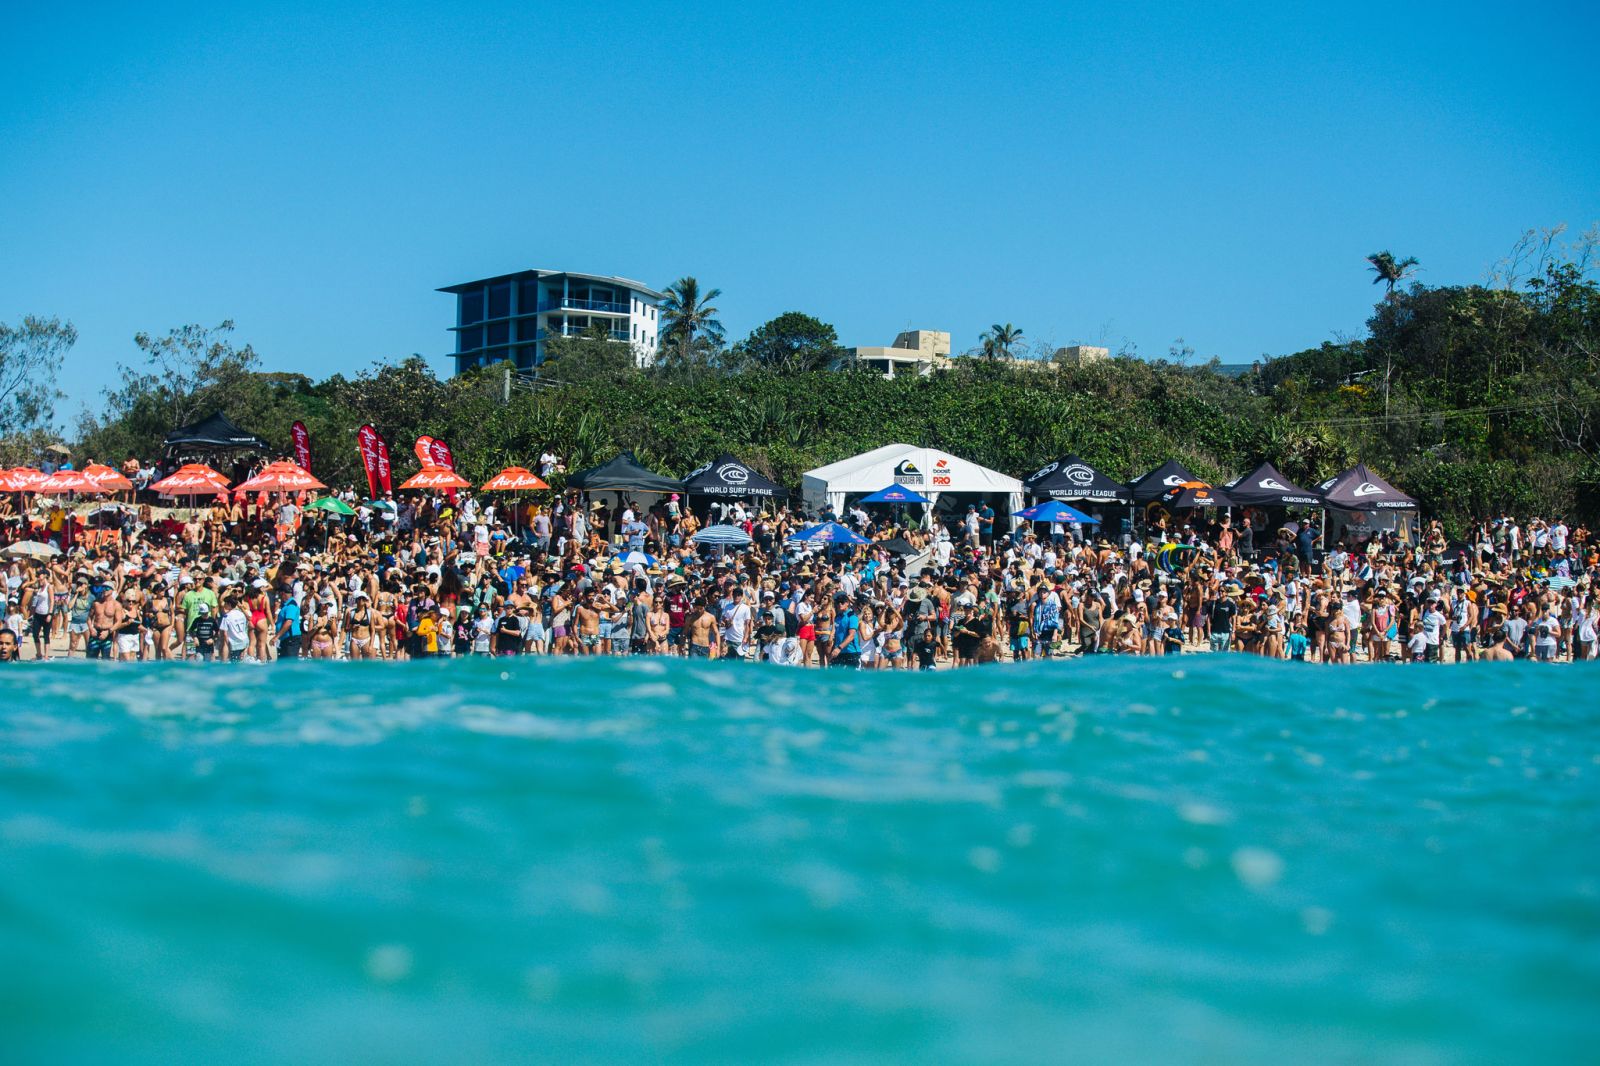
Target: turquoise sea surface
(1212,860)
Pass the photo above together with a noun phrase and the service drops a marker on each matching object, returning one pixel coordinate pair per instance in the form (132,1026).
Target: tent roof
(1265,486)
(727,476)
(1359,489)
(218,431)
(1154,485)
(624,473)
(1070,478)
(928,470)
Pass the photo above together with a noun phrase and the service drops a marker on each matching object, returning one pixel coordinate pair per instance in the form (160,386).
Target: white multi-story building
(511,316)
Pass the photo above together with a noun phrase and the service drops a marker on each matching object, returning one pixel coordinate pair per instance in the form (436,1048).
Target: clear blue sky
(1088,172)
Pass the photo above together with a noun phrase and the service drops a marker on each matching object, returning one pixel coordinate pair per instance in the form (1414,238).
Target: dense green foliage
(1474,398)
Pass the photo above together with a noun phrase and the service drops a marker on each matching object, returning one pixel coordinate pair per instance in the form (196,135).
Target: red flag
(302,445)
(424,450)
(367,441)
(384,473)
(440,451)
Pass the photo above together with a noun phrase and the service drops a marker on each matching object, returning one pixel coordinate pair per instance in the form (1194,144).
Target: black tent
(1265,486)
(214,432)
(727,476)
(622,474)
(1070,478)
(1359,489)
(1154,485)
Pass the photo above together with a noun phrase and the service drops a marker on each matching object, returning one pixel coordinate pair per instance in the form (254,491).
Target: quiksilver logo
(1271,483)
(1173,481)
(1367,488)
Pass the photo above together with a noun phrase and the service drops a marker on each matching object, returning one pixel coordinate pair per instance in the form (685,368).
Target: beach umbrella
(29,549)
(514,479)
(1053,511)
(631,559)
(67,481)
(191,479)
(436,477)
(331,504)
(107,477)
(24,478)
(380,505)
(721,534)
(281,476)
(827,533)
(895,494)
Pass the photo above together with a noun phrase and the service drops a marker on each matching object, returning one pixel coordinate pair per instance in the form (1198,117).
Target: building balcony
(575,331)
(593,307)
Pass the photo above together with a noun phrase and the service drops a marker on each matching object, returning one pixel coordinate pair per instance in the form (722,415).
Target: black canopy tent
(1361,504)
(727,476)
(622,474)
(1195,496)
(1265,486)
(1070,478)
(215,432)
(1359,489)
(1155,484)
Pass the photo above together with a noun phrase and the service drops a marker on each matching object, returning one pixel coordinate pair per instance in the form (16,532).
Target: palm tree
(998,340)
(686,313)
(1391,271)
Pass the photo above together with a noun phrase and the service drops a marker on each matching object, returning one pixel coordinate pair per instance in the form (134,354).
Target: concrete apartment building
(510,317)
(916,351)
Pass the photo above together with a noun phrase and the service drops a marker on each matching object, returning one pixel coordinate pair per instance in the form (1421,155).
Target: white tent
(927,470)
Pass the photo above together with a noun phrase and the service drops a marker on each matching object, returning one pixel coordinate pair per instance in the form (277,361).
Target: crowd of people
(427,575)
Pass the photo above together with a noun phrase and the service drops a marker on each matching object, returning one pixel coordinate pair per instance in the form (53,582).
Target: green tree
(30,365)
(591,355)
(688,317)
(999,342)
(792,343)
(1387,270)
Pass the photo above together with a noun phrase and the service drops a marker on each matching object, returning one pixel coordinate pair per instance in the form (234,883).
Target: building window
(499,333)
(499,301)
(469,339)
(525,356)
(471,307)
(527,296)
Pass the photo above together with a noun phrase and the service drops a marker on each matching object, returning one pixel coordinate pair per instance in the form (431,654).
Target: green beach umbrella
(331,504)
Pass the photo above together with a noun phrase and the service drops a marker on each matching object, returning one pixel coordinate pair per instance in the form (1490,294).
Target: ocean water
(628,861)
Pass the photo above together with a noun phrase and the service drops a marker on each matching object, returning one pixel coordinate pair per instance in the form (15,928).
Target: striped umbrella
(727,535)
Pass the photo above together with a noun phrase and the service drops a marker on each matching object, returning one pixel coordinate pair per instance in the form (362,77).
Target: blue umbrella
(895,494)
(636,558)
(1054,511)
(827,533)
(722,535)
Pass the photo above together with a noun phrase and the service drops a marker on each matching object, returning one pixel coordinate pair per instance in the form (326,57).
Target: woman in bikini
(822,631)
(321,629)
(360,627)
(158,623)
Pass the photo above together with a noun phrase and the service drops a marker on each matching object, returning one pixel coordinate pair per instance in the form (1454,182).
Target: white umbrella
(722,535)
(29,549)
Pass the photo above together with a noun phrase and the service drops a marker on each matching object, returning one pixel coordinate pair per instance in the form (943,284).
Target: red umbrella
(191,479)
(67,481)
(437,477)
(23,478)
(282,476)
(513,478)
(108,478)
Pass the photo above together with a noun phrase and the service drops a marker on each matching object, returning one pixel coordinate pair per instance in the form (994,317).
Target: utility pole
(505,391)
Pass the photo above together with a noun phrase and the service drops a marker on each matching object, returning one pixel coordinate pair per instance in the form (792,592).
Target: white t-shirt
(236,629)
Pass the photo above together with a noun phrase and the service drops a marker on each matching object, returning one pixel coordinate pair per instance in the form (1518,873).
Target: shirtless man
(104,617)
(702,632)
(588,620)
